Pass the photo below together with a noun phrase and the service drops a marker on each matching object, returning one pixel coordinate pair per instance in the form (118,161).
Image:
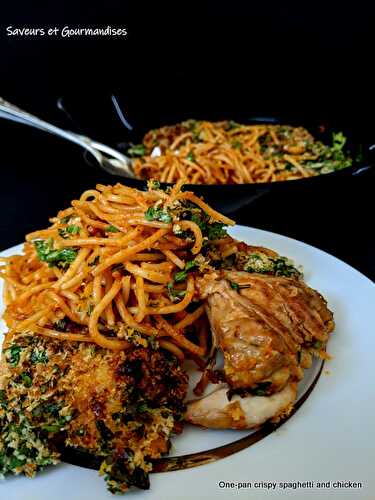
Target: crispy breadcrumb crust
(122,406)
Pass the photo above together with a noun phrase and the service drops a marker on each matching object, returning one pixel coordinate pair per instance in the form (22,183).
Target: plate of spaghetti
(137,322)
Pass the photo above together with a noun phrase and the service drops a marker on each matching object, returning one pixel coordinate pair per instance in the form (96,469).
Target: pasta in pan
(230,153)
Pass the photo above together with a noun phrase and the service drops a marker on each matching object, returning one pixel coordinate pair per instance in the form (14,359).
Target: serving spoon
(108,158)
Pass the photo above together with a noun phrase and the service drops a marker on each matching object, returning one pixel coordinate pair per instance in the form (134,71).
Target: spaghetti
(118,268)
(229,153)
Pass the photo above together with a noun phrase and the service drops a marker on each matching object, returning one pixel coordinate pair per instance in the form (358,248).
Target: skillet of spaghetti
(227,152)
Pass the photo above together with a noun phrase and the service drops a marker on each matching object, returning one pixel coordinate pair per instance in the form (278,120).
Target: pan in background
(230,198)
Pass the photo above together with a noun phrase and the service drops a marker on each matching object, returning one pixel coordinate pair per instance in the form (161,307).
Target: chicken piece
(217,412)
(265,326)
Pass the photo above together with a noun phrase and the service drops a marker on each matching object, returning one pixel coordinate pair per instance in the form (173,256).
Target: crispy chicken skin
(267,326)
(261,326)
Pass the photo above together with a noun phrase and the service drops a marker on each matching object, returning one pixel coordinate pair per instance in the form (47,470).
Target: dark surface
(309,62)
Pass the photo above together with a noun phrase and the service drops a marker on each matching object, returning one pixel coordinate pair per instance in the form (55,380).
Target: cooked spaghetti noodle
(229,153)
(117,268)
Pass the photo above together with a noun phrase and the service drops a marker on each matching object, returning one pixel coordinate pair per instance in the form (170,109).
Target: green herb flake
(236,145)
(61,258)
(182,275)
(38,357)
(26,379)
(158,214)
(111,229)
(216,231)
(190,156)
(13,355)
(173,293)
(197,219)
(71,229)
(137,150)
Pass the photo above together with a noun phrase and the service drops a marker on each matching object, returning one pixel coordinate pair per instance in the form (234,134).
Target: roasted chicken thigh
(267,327)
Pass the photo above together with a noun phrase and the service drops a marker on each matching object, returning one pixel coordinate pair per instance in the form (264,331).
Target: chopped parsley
(38,357)
(13,355)
(158,214)
(190,156)
(263,264)
(182,275)
(61,258)
(111,229)
(137,150)
(216,231)
(237,286)
(26,379)
(173,293)
(282,267)
(71,229)
(213,231)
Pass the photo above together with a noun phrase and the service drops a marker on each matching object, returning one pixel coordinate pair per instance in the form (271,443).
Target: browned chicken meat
(268,325)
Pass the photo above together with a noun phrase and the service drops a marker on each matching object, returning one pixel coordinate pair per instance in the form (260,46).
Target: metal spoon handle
(11,112)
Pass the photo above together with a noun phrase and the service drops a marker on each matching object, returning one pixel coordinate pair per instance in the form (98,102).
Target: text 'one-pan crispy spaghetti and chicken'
(104,307)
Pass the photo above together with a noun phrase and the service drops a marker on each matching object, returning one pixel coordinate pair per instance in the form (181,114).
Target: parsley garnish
(137,150)
(190,156)
(216,231)
(182,275)
(173,293)
(111,229)
(61,258)
(71,229)
(26,379)
(158,214)
(237,145)
(237,286)
(14,355)
(38,357)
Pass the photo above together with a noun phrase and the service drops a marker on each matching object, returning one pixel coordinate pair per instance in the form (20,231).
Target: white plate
(330,438)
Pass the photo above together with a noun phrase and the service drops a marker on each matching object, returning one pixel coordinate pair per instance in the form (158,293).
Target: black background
(306,61)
